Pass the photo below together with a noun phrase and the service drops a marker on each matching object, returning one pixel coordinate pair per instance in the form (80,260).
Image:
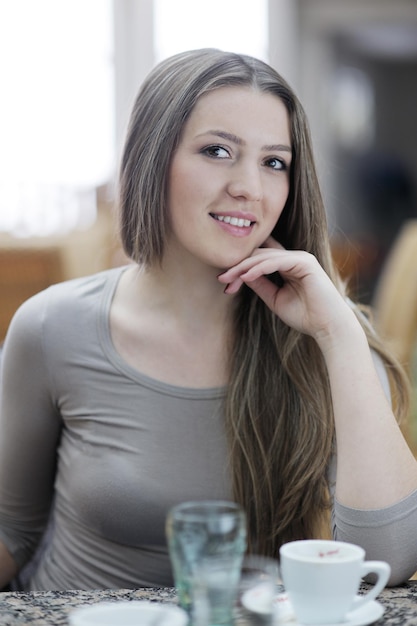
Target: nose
(245,182)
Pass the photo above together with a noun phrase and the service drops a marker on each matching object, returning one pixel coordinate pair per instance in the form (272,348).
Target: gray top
(129,447)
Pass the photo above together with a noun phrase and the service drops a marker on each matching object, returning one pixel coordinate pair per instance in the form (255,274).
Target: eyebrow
(279,147)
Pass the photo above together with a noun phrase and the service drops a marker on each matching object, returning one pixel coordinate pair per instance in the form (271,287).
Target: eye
(216,152)
(276,164)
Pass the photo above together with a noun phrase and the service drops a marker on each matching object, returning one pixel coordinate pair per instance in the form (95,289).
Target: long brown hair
(278,410)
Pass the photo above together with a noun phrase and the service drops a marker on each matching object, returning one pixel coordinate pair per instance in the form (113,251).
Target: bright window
(234,25)
(56,112)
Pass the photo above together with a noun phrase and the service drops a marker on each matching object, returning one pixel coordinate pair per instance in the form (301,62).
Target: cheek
(277,202)
(182,187)
(182,201)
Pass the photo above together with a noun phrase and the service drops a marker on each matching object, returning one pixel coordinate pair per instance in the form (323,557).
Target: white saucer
(254,601)
(128,613)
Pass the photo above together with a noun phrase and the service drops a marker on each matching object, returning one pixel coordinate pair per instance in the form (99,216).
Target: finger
(267,267)
(233,286)
(265,289)
(244,266)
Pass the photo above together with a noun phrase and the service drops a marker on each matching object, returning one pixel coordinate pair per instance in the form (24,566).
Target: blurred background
(70,70)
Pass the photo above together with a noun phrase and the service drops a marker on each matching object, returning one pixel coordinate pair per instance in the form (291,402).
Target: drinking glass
(207,542)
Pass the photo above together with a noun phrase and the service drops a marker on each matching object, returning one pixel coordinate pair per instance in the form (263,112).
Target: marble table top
(51,608)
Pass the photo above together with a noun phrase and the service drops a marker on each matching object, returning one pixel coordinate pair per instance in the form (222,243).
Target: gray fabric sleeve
(29,432)
(388,534)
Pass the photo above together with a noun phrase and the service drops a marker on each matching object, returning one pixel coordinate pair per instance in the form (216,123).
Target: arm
(375,468)
(29,432)
(380,531)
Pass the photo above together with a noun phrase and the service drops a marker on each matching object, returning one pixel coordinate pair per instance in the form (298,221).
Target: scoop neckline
(110,286)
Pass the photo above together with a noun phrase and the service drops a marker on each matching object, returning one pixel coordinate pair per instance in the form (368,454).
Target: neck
(192,294)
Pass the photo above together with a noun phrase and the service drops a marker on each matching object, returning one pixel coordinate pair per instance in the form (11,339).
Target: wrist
(343,334)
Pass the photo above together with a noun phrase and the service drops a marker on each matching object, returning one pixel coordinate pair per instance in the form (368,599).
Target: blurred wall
(365,180)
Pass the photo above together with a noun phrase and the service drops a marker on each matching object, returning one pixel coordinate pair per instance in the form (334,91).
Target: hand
(307,300)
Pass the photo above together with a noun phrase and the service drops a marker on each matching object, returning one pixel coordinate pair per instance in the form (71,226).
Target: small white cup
(128,613)
(322,578)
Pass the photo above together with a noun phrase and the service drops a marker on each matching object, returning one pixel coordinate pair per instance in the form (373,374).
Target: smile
(234,221)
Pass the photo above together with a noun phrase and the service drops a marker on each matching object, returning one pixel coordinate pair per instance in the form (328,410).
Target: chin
(224,264)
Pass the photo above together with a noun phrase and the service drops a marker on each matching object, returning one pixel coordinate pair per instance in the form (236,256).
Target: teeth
(234,221)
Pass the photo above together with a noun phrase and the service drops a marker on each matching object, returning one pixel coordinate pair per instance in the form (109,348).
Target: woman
(225,362)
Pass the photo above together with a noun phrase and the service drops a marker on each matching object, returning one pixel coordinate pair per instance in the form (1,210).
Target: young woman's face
(229,177)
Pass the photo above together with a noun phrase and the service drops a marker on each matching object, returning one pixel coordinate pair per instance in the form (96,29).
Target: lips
(233,220)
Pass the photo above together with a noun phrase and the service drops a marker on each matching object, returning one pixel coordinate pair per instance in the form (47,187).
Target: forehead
(240,107)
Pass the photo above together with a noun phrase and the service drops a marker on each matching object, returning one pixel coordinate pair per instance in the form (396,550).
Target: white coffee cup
(128,613)
(322,578)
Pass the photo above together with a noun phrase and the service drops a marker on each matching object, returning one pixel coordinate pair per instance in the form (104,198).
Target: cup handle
(383,571)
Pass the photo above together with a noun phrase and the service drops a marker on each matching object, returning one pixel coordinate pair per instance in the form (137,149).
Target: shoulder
(62,306)
(79,289)
(71,293)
